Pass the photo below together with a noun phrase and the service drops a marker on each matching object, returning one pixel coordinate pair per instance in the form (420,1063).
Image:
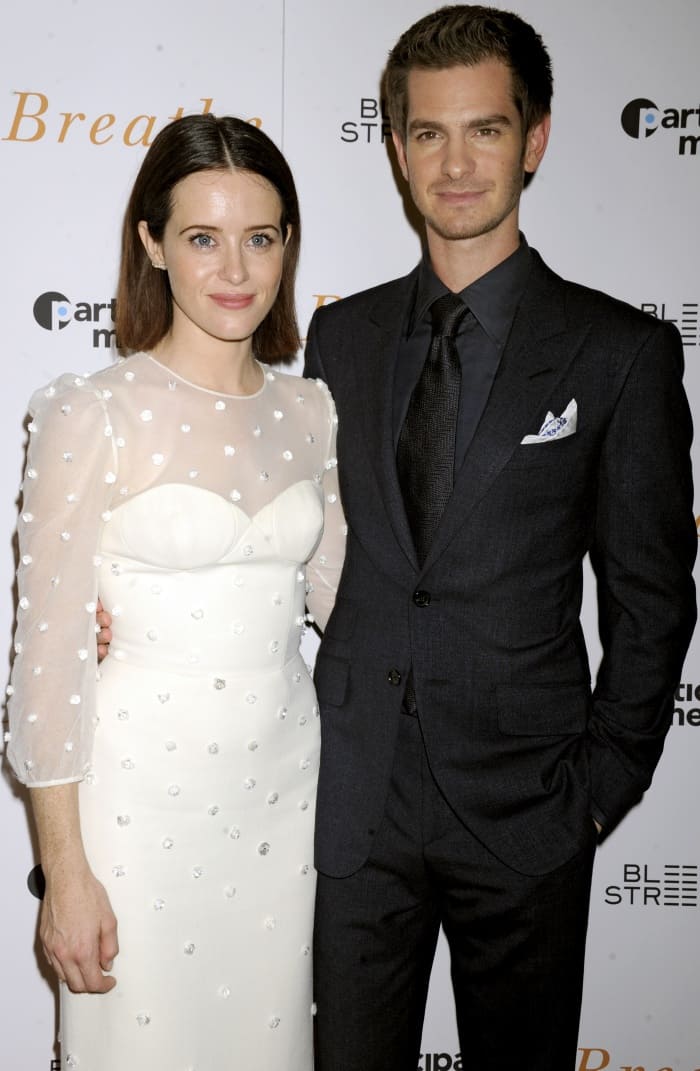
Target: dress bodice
(139,484)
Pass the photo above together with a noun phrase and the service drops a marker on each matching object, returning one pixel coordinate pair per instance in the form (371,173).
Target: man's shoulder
(583,302)
(383,296)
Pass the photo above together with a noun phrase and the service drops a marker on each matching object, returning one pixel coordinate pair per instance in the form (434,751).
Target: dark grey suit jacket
(521,745)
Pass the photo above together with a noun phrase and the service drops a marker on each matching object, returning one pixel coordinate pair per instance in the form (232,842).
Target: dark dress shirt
(481,338)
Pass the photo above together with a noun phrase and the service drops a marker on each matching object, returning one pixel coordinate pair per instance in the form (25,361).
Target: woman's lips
(233,301)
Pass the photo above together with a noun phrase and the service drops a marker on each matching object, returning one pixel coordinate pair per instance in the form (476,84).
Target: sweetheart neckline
(190,490)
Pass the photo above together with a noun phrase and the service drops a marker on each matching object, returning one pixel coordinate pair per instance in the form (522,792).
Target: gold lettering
(145,137)
(585,1066)
(103,122)
(22,114)
(322,299)
(68,118)
(32,106)
(255,121)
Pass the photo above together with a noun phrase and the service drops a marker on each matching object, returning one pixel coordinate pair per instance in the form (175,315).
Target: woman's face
(223,249)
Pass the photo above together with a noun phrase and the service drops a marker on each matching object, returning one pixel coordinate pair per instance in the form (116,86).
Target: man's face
(465,151)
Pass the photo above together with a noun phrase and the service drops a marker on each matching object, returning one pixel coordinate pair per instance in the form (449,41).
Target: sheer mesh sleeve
(71,468)
(325,566)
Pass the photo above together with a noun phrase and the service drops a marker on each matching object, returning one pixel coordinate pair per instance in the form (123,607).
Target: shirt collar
(492,298)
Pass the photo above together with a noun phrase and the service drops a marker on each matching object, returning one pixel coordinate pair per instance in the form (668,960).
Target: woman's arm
(326,565)
(78,929)
(71,467)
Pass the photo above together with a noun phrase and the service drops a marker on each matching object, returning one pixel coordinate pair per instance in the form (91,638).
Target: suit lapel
(537,354)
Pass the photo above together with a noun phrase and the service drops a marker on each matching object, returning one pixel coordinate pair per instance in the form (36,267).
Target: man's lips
(459,196)
(233,301)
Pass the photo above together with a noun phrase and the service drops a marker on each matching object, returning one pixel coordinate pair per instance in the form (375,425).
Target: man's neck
(460,262)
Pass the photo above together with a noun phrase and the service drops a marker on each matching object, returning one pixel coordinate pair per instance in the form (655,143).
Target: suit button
(394,677)
(421,598)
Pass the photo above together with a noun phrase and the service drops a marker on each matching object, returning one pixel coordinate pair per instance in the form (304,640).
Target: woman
(174,797)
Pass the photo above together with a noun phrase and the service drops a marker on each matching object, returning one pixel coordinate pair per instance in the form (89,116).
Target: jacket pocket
(331,679)
(554,452)
(535,711)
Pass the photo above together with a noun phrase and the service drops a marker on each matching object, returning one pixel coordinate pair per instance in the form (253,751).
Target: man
(486,445)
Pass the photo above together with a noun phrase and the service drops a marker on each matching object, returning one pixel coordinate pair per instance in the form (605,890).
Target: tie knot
(446,314)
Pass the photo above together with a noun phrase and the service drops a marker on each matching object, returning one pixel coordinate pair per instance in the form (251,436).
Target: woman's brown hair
(201,143)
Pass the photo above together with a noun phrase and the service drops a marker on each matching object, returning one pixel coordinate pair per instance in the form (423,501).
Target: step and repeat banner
(84,90)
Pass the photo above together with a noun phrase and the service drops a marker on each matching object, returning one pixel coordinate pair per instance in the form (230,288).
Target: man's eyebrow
(490,120)
(472,124)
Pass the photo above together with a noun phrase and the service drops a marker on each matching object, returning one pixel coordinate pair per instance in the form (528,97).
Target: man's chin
(461,230)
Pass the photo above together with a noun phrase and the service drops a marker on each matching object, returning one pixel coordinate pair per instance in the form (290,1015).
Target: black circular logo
(52,310)
(640,118)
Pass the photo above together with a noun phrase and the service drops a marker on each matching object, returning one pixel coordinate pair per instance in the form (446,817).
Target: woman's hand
(78,930)
(104,635)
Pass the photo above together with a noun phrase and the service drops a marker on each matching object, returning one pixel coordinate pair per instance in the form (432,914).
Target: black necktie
(426,449)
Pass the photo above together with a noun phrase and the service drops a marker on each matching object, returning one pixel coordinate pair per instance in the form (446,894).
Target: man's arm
(313,365)
(643,553)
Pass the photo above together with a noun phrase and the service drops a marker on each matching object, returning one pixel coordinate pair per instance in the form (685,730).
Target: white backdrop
(83,90)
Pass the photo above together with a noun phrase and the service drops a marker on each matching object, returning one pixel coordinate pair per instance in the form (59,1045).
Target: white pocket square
(555,427)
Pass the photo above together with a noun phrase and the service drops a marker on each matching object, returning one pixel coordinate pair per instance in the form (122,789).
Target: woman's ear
(153,248)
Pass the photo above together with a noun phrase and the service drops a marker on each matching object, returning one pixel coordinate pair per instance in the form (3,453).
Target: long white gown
(193,515)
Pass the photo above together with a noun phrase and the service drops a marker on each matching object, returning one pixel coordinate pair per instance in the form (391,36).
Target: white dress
(193,515)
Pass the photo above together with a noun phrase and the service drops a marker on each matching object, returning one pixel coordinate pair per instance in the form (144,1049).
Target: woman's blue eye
(204,241)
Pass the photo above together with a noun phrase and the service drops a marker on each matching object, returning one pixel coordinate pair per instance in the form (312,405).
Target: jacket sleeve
(643,552)
(313,363)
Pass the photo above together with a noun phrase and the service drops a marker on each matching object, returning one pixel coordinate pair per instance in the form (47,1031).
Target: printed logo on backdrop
(440,1061)
(591,1059)
(684,314)
(655,886)
(686,711)
(369,124)
(53,311)
(37,119)
(600,1059)
(318,301)
(641,118)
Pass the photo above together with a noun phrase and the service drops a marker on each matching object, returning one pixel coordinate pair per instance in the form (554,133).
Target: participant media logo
(686,707)
(641,118)
(53,311)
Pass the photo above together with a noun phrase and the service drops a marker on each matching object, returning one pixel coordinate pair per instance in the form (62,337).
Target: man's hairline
(402,135)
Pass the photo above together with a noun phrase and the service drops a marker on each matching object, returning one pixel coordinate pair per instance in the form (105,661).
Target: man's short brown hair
(464,35)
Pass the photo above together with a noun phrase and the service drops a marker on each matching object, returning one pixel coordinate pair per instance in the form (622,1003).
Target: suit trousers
(516,942)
